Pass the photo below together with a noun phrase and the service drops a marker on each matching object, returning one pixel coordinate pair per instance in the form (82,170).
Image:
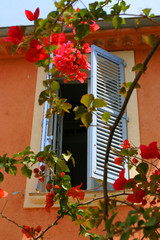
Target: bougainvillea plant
(46,46)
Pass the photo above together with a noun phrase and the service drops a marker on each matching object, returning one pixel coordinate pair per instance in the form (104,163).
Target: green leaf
(1,177)
(54,85)
(43,97)
(151,222)
(106,116)
(146,11)
(87,99)
(138,67)
(142,168)
(82,30)
(86,119)
(150,40)
(109,222)
(79,111)
(140,223)
(98,102)
(66,107)
(26,171)
(116,21)
(13,170)
(125,236)
(67,156)
(132,152)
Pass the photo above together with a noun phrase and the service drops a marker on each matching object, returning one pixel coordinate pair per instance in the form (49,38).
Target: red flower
(94,27)
(36,52)
(49,200)
(86,48)
(76,192)
(120,182)
(62,174)
(15,35)
(81,76)
(32,16)
(41,179)
(149,152)
(38,229)
(157,172)
(40,159)
(137,197)
(48,186)
(56,187)
(27,231)
(134,160)
(126,144)
(56,39)
(42,167)
(118,160)
(36,170)
(3,193)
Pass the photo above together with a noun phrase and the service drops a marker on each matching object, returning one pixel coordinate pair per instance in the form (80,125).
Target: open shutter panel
(107,74)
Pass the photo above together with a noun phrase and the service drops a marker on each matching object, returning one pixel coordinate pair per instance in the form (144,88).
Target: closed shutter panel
(107,74)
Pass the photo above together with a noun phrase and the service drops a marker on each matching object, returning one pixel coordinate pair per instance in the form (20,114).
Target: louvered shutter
(107,74)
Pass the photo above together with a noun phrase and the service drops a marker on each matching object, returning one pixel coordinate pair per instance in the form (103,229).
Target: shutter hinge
(124,64)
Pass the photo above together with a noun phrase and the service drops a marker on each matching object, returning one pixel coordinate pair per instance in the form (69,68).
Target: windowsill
(37,200)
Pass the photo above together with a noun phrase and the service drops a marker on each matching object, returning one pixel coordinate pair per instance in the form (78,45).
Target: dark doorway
(74,136)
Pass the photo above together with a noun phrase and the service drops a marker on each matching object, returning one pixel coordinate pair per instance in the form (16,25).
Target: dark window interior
(74,136)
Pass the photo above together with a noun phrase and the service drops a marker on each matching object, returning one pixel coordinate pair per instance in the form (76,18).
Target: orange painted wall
(17,91)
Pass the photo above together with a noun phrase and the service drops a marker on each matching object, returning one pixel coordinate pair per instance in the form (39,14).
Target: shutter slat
(106,78)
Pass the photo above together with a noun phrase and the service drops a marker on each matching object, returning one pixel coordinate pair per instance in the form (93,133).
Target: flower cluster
(30,231)
(76,192)
(68,61)
(39,173)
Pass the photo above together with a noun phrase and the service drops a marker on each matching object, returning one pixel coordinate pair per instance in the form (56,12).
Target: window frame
(33,199)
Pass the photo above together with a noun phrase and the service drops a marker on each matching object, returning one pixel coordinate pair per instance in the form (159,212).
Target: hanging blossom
(3,193)
(126,144)
(76,192)
(149,152)
(49,200)
(15,35)
(119,184)
(30,231)
(137,196)
(32,16)
(68,61)
(36,52)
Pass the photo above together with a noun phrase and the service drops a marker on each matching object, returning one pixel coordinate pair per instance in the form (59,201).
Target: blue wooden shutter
(107,74)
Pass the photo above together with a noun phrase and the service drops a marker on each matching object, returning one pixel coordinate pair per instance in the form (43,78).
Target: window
(107,74)
(34,199)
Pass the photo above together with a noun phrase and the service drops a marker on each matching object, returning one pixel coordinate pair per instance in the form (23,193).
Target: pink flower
(86,48)
(32,16)
(94,27)
(15,35)
(56,39)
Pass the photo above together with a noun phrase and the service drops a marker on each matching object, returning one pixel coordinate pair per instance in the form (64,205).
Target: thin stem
(105,189)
